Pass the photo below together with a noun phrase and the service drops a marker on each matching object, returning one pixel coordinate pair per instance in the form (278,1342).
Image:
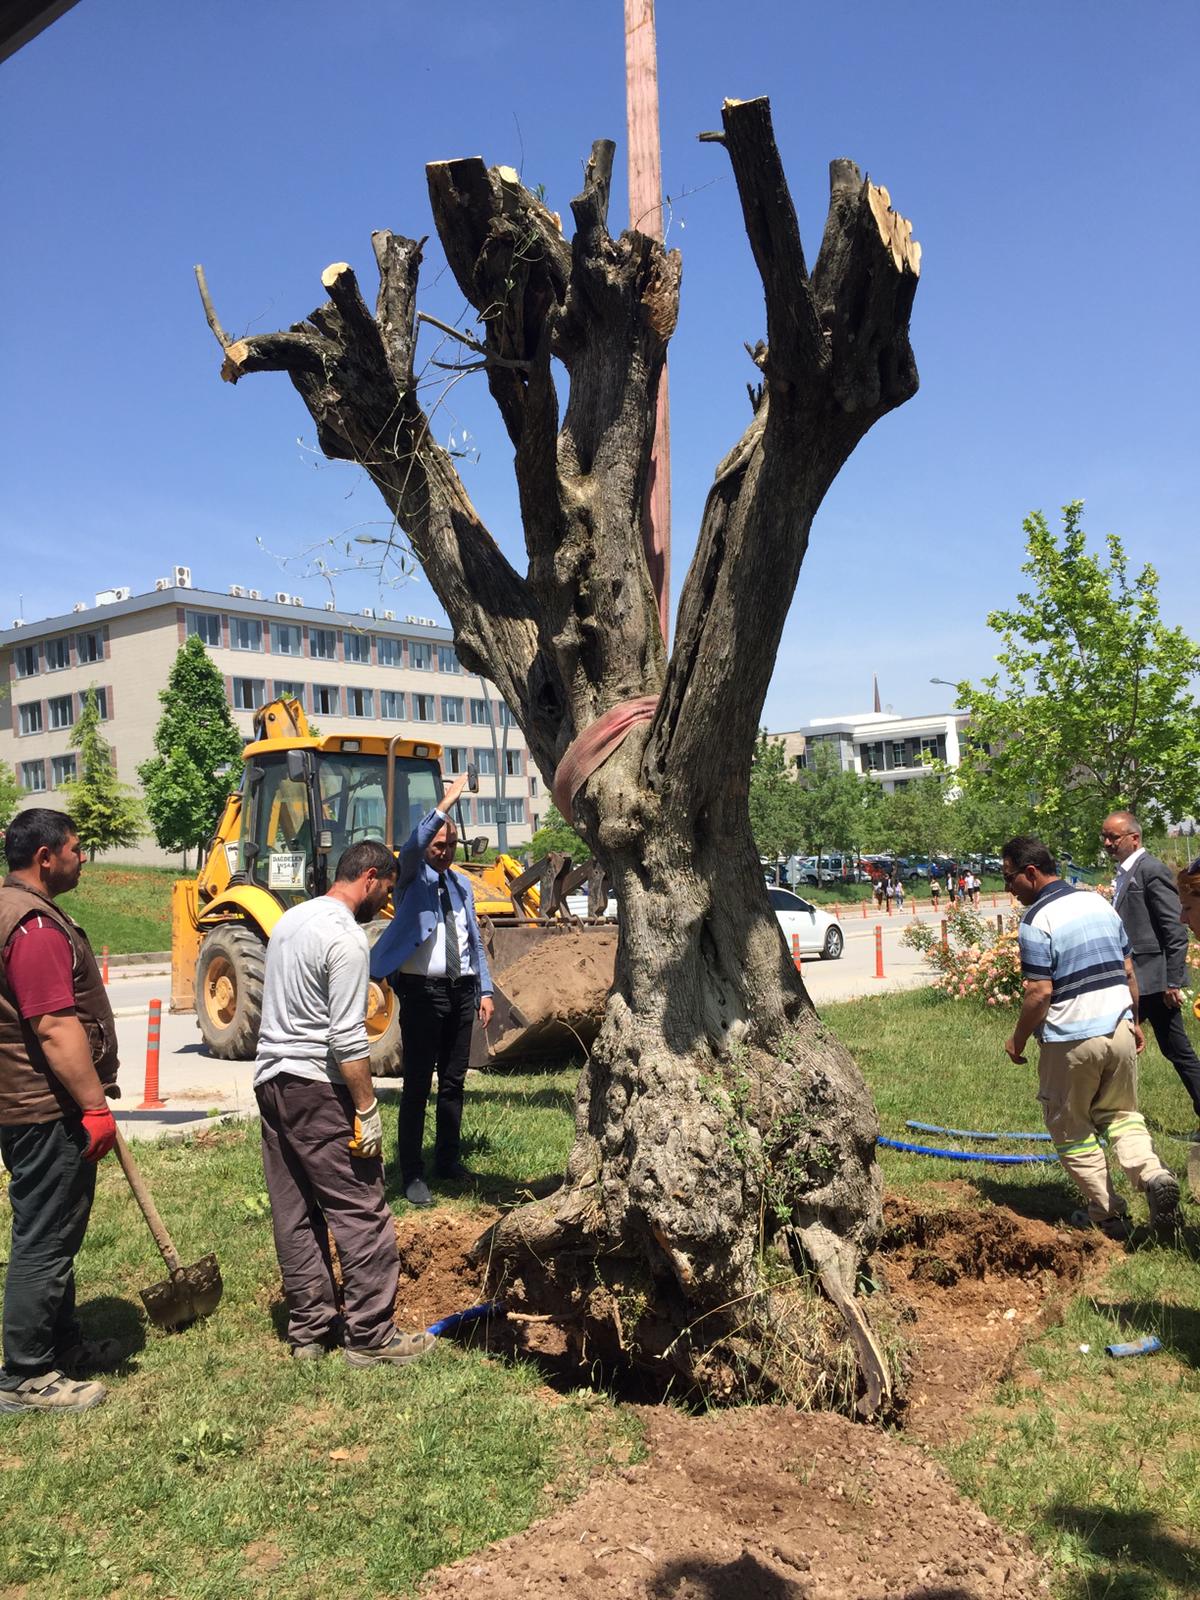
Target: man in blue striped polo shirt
(1080,1005)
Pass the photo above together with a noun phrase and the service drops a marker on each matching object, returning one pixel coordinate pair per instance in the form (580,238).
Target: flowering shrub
(979,962)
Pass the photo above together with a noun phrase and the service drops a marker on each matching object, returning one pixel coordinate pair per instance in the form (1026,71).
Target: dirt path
(758,1504)
(766,1503)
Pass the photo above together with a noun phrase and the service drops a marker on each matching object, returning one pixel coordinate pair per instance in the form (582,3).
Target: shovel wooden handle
(149,1210)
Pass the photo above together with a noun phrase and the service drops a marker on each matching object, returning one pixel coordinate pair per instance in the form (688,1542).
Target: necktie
(453,958)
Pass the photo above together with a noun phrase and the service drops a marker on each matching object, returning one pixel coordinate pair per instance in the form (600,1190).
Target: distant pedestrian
(880,885)
(1146,899)
(935,891)
(322,1138)
(58,1065)
(1080,1004)
(899,894)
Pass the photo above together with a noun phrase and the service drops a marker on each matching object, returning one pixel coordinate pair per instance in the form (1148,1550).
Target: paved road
(194,1085)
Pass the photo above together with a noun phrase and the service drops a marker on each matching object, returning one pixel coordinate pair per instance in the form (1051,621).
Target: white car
(820,934)
(577,905)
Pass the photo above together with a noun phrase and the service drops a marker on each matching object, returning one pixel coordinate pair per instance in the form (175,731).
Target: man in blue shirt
(1080,1004)
(433,956)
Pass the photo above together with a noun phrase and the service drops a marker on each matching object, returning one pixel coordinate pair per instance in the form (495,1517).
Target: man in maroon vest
(58,1061)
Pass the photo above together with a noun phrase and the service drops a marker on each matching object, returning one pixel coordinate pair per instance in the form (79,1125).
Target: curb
(188,1130)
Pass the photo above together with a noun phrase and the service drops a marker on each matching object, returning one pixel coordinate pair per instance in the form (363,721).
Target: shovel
(189,1292)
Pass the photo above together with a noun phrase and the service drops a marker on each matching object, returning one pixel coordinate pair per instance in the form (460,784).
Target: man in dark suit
(1147,901)
(433,956)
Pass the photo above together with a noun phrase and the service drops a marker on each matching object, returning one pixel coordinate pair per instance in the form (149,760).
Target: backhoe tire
(229,991)
(383,1018)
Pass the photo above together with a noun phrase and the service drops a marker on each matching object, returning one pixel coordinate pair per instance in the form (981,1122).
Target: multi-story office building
(371,671)
(890,749)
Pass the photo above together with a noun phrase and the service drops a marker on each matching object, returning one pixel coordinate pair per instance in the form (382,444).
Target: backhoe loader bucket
(551,980)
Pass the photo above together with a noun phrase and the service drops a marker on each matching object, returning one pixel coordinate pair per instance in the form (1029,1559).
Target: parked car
(820,934)
(830,871)
(577,905)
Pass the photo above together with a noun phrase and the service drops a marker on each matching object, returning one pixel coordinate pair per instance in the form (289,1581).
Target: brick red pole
(878,951)
(150,1098)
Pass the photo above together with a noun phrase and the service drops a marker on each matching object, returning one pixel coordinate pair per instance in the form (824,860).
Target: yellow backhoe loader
(304,799)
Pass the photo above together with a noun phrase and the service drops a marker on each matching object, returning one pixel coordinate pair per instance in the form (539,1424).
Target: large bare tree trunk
(717,1114)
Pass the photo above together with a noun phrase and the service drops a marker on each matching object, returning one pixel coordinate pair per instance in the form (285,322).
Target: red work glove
(101,1129)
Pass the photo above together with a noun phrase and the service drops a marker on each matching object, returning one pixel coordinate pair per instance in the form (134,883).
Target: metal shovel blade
(186,1295)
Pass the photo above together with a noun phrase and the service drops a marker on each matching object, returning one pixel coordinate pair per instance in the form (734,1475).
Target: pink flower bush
(980,962)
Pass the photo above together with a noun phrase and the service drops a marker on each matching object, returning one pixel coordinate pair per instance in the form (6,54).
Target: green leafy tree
(1092,706)
(557,834)
(106,812)
(775,817)
(10,799)
(838,807)
(196,735)
(919,819)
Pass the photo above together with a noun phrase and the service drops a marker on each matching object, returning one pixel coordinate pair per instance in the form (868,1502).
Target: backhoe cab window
(353,797)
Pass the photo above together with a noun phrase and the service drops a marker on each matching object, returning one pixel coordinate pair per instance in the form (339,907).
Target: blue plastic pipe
(1139,1347)
(456,1319)
(967,1133)
(962,1155)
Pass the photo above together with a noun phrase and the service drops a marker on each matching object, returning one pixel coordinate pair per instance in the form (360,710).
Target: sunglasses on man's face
(1111,838)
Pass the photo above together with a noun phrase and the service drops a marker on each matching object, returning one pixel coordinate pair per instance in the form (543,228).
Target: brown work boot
(1162,1196)
(399,1349)
(51,1391)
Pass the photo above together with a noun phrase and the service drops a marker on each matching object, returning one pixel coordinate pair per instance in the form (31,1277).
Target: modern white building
(371,671)
(892,750)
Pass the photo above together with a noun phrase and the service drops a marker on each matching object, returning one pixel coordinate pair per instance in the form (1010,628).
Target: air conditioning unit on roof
(389,616)
(254,594)
(297,599)
(19,622)
(237,591)
(282,597)
(80,605)
(367,612)
(162,583)
(330,605)
(183,577)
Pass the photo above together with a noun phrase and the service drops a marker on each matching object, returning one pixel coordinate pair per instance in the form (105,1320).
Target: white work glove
(368,1133)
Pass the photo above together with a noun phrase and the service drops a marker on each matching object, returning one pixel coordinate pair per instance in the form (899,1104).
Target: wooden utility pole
(646,215)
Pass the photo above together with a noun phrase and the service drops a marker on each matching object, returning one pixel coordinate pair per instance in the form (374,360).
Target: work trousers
(1088,1087)
(436,1019)
(51,1193)
(1170,1032)
(317,1188)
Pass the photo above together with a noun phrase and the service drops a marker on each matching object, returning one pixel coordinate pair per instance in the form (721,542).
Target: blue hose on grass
(962,1155)
(457,1319)
(967,1133)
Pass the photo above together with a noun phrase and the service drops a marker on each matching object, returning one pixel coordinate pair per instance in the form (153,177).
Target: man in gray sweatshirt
(321,1131)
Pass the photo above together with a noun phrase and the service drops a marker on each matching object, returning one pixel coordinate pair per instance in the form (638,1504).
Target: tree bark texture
(717,1114)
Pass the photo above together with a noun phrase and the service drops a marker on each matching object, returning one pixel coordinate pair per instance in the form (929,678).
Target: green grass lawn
(220,1468)
(126,908)
(1098,1461)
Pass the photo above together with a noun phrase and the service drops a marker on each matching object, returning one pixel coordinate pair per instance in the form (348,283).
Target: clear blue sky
(1044,150)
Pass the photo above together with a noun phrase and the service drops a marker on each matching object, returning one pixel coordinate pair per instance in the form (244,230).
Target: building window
(389,652)
(248,694)
(33,777)
(485,760)
(58,654)
(245,633)
(322,644)
(447,660)
(62,770)
(29,717)
(89,647)
(289,691)
(899,759)
(28,659)
(286,639)
(452,708)
(391,703)
(465,803)
(326,699)
(534,820)
(929,747)
(360,702)
(62,711)
(101,702)
(423,708)
(505,717)
(516,810)
(514,763)
(454,759)
(203,625)
(485,812)
(871,756)
(481,713)
(358,648)
(420,655)
(533,788)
